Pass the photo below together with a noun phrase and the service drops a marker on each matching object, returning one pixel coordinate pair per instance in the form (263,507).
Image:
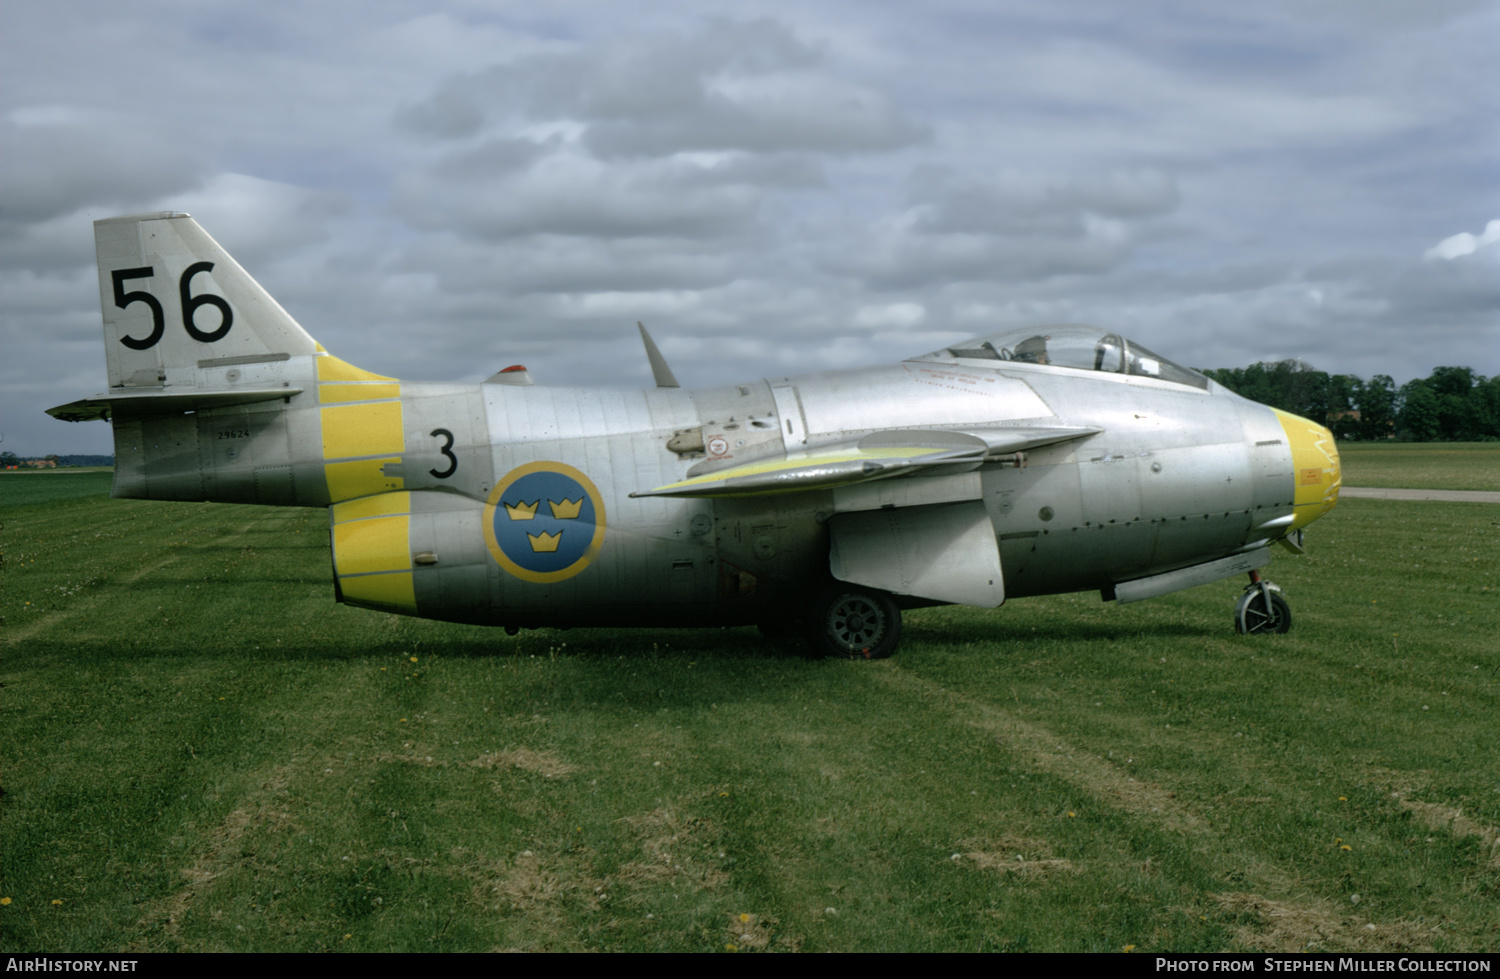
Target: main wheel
(1262,612)
(857,623)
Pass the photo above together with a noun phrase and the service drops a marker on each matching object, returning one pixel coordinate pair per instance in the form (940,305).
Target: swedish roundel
(544,521)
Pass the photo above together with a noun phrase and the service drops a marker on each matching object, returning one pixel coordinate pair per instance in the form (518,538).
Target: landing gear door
(946,553)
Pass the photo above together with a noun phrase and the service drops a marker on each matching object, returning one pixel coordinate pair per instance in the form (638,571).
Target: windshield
(1076,347)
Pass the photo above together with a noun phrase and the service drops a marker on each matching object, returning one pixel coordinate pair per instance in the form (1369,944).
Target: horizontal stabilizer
(164,403)
(879,455)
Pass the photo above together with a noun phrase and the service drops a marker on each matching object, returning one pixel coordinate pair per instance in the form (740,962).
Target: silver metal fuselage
(1018,464)
(1176,477)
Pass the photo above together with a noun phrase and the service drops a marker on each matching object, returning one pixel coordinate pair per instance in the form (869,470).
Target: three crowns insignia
(545,543)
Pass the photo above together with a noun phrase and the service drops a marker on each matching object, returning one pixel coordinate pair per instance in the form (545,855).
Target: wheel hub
(851,621)
(856,623)
(1261,610)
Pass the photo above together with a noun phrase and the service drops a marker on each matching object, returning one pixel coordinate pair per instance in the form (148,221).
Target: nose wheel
(1261,609)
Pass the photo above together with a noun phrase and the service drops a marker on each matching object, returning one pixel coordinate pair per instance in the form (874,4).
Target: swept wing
(878,455)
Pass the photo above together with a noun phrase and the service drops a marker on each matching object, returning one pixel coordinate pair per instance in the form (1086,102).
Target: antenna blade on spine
(660,372)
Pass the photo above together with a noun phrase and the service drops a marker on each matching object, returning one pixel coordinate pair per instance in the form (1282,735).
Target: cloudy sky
(438,190)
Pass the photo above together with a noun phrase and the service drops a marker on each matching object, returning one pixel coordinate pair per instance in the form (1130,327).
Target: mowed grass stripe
(1317,715)
(1199,847)
(856,824)
(94,564)
(286,788)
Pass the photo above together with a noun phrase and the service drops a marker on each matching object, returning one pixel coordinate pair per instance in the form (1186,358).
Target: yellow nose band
(1315,464)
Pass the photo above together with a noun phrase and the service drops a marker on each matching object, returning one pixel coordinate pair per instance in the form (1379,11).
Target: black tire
(855,623)
(1262,613)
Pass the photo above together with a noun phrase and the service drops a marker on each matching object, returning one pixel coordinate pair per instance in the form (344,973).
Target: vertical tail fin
(173,299)
(216,393)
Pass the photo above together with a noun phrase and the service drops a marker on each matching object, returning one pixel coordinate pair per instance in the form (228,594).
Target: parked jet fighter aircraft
(1033,462)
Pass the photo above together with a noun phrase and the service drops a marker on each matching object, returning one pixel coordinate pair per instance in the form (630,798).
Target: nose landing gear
(1261,609)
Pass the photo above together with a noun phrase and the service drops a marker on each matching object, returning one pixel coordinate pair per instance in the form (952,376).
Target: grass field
(203,752)
(1425,465)
(22,488)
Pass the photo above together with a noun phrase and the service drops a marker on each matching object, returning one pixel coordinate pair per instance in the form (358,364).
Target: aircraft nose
(1316,475)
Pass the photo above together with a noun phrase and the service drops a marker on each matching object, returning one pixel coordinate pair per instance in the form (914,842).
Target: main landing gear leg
(1261,608)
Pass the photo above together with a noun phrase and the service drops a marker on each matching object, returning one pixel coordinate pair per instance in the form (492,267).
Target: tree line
(1454,404)
(9,460)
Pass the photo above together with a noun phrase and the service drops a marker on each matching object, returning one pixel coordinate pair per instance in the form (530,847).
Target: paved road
(1450,496)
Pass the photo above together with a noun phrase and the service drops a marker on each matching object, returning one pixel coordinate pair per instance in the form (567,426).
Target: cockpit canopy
(1075,347)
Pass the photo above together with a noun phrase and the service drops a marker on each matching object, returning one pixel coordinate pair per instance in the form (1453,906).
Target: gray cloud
(659,151)
(1008,227)
(902,261)
(568,193)
(790,112)
(561,263)
(729,86)
(57,166)
(1020,203)
(1460,290)
(840,184)
(497,157)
